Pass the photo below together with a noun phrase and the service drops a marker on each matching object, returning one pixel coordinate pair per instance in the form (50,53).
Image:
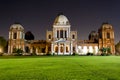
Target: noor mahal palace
(61,40)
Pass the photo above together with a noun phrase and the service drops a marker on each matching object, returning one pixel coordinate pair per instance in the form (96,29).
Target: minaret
(16,38)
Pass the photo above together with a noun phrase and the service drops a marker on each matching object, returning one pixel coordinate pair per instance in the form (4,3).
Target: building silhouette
(61,40)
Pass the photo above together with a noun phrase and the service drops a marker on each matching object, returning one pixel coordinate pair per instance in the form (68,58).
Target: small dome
(17,26)
(61,20)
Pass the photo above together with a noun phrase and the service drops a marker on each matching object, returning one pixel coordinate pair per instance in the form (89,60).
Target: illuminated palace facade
(61,40)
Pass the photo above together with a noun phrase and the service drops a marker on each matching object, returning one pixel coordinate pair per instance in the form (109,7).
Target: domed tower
(62,39)
(93,36)
(16,37)
(61,27)
(106,37)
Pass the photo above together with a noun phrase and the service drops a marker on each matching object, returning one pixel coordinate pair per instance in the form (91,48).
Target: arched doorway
(56,49)
(27,50)
(61,48)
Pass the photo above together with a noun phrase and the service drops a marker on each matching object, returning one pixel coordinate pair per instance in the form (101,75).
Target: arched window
(61,33)
(15,36)
(56,49)
(49,36)
(66,49)
(108,35)
(73,48)
(65,34)
(73,36)
(57,33)
(27,49)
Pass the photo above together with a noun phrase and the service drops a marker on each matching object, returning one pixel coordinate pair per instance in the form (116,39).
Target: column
(105,35)
(58,48)
(55,33)
(8,49)
(12,35)
(102,35)
(71,48)
(17,35)
(31,50)
(59,34)
(64,48)
(63,34)
(36,50)
(67,33)
(52,48)
(76,48)
(46,50)
(23,35)
(11,49)
(23,48)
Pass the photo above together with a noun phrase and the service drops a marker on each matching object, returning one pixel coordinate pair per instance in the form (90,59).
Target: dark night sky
(38,15)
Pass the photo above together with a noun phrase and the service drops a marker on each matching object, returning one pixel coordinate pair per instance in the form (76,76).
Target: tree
(29,35)
(117,48)
(3,43)
(105,51)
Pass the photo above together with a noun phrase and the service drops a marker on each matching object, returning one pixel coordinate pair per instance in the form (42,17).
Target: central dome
(61,20)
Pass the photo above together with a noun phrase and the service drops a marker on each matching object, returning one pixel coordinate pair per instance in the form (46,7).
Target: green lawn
(60,68)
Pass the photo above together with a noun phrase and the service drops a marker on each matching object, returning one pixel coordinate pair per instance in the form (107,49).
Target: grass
(60,68)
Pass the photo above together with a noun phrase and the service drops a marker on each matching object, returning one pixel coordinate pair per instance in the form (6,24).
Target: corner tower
(16,38)
(106,37)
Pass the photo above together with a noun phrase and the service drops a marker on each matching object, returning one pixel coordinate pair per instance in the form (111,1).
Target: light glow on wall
(1,50)
(96,49)
(80,51)
(85,50)
(90,49)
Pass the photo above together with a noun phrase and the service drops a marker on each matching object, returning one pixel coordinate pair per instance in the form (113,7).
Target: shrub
(53,54)
(105,54)
(117,54)
(89,54)
(49,54)
(32,54)
(1,54)
(73,54)
(17,52)
(108,54)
